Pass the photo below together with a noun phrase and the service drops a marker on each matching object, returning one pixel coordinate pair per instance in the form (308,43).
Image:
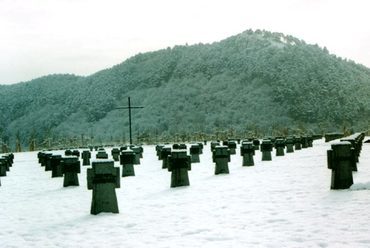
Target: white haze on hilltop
(40,37)
(286,202)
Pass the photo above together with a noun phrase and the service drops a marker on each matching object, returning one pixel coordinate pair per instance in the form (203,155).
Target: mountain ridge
(256,81)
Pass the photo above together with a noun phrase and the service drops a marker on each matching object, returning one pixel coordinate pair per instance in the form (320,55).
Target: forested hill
(254,81)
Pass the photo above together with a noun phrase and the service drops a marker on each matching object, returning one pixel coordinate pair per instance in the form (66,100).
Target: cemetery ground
(286,202)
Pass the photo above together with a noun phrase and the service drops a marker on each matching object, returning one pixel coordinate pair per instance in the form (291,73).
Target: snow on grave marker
(221,157)
(103,178)
(70,167)
(247,151)
(340,161)
(127,159)
(179,163)
(266,149)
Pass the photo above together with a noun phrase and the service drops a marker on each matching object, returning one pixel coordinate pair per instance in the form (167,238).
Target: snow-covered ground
(286,202)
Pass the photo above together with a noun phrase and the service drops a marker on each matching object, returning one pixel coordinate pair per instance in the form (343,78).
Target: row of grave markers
(177,161)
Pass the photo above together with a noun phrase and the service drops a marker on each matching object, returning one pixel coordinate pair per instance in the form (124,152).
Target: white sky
(40,37)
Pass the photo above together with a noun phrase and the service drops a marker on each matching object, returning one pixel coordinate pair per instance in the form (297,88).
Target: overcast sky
(40,37)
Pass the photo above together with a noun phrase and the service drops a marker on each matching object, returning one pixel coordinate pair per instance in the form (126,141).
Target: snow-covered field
(286,202)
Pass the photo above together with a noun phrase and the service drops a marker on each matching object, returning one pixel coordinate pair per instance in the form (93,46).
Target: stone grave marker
(86,156)
(103,178)
(70,168)
(101,154)
(127,160)
(247,151)
(280,147)
(221,157)
(115,154)
(179,164)
(194,153)
(289,142)
(340,161)
(266,149)
(56,167)
(165,153)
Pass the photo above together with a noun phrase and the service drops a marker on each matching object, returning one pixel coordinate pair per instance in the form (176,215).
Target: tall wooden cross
(129,115)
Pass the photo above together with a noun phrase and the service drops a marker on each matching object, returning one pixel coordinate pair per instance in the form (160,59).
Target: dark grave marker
(68,152)
(137,151)
(340,161)
(232,146)
(127,160)
(289,142)
(76,153)
(194,153)
(333,136)
(297,143)
(179,163)
(266,149)
(8,160)
(3,167)
(46,162)
(309,141)
(115,154)
(86,156)
(214,144)
(256,144)
(141,149)
(200,147)
(221,157)
(247,151)
(280,147)
(165,153)
(103,178)
(304,142)
(101,154)
(158,149)
(70,168)
(56,167)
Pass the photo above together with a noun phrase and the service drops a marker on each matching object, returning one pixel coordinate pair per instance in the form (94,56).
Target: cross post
(129,115)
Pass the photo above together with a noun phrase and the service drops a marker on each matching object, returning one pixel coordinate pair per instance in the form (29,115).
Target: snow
(286,202)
